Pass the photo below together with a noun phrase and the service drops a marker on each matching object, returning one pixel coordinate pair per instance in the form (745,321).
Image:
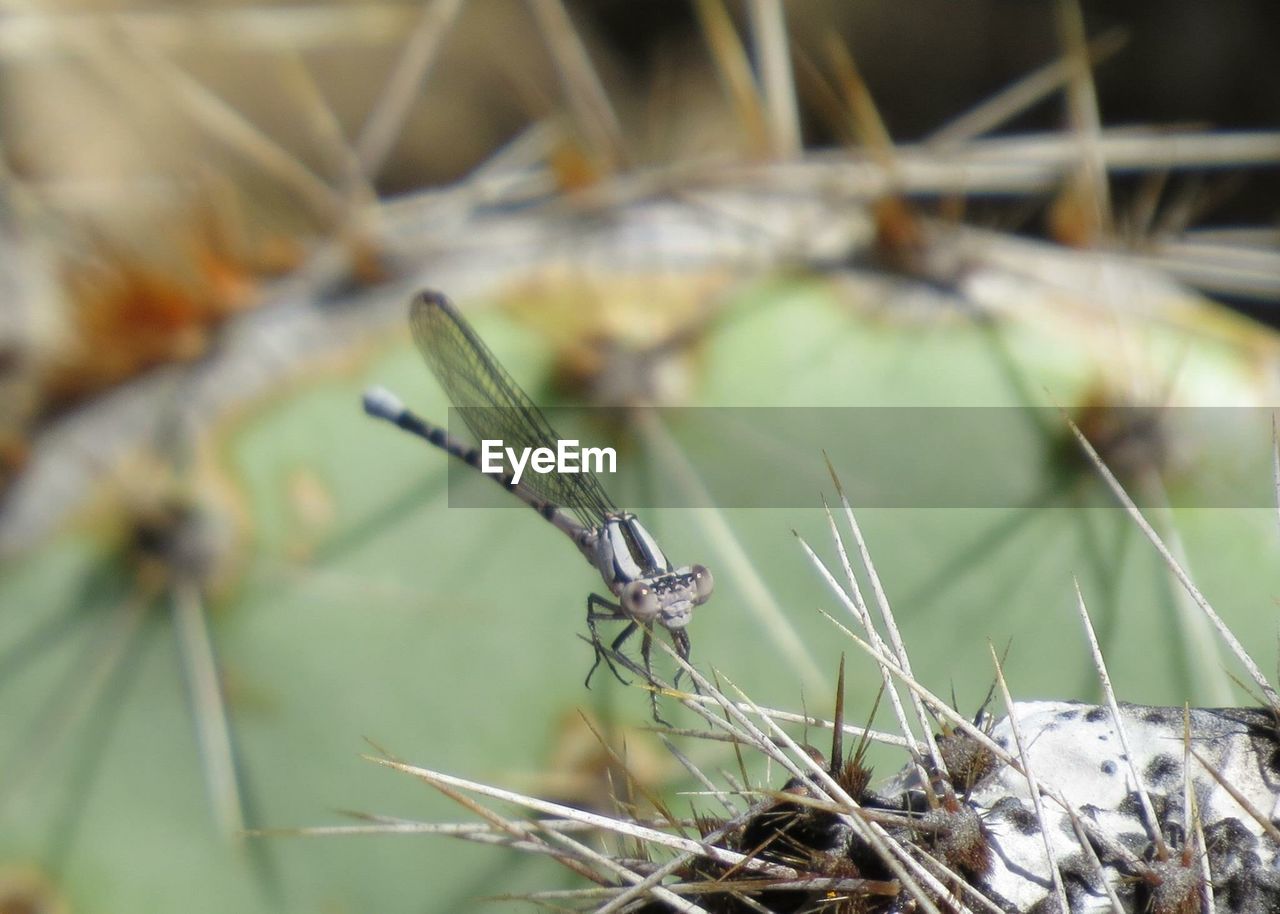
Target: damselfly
(635,570)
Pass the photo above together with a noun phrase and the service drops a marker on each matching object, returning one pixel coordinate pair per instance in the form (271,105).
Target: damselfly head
(668,599)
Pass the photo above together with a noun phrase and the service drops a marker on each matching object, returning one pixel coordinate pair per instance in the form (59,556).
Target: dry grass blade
(734,70)
(852,599)
(769,36)
(616,826)
(677,862)
(1192,823)
(296,80)
(867,123)
(1033,785)
(791,717)
(39,31)
(634,782)
(1206,884)
(939,707)
(1095,864)
(1021,164)
(737,566)
(721,796)
(1262,818)
(735,888)
(1203,655)
(613,867)
(1272,697)
(583,89)
(735,721)
(886,614)
(1218,268)
(517,830)
(386,120)
(1082,108)
(1100,665)
(209,710)
(392,825)
(816,776)
(942,871)
(477,834)
(219,119)
(1023,94)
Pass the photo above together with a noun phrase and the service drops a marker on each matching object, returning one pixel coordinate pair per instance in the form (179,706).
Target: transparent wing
(493,406)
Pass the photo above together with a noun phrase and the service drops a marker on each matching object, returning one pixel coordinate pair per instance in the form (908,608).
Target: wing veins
(492,404)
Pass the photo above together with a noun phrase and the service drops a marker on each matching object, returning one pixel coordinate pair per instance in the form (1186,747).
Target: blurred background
(221,584)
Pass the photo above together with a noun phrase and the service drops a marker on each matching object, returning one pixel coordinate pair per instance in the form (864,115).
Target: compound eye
(640,601)
(703,583)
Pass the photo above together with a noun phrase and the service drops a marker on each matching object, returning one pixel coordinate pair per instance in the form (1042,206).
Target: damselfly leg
(611,612)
